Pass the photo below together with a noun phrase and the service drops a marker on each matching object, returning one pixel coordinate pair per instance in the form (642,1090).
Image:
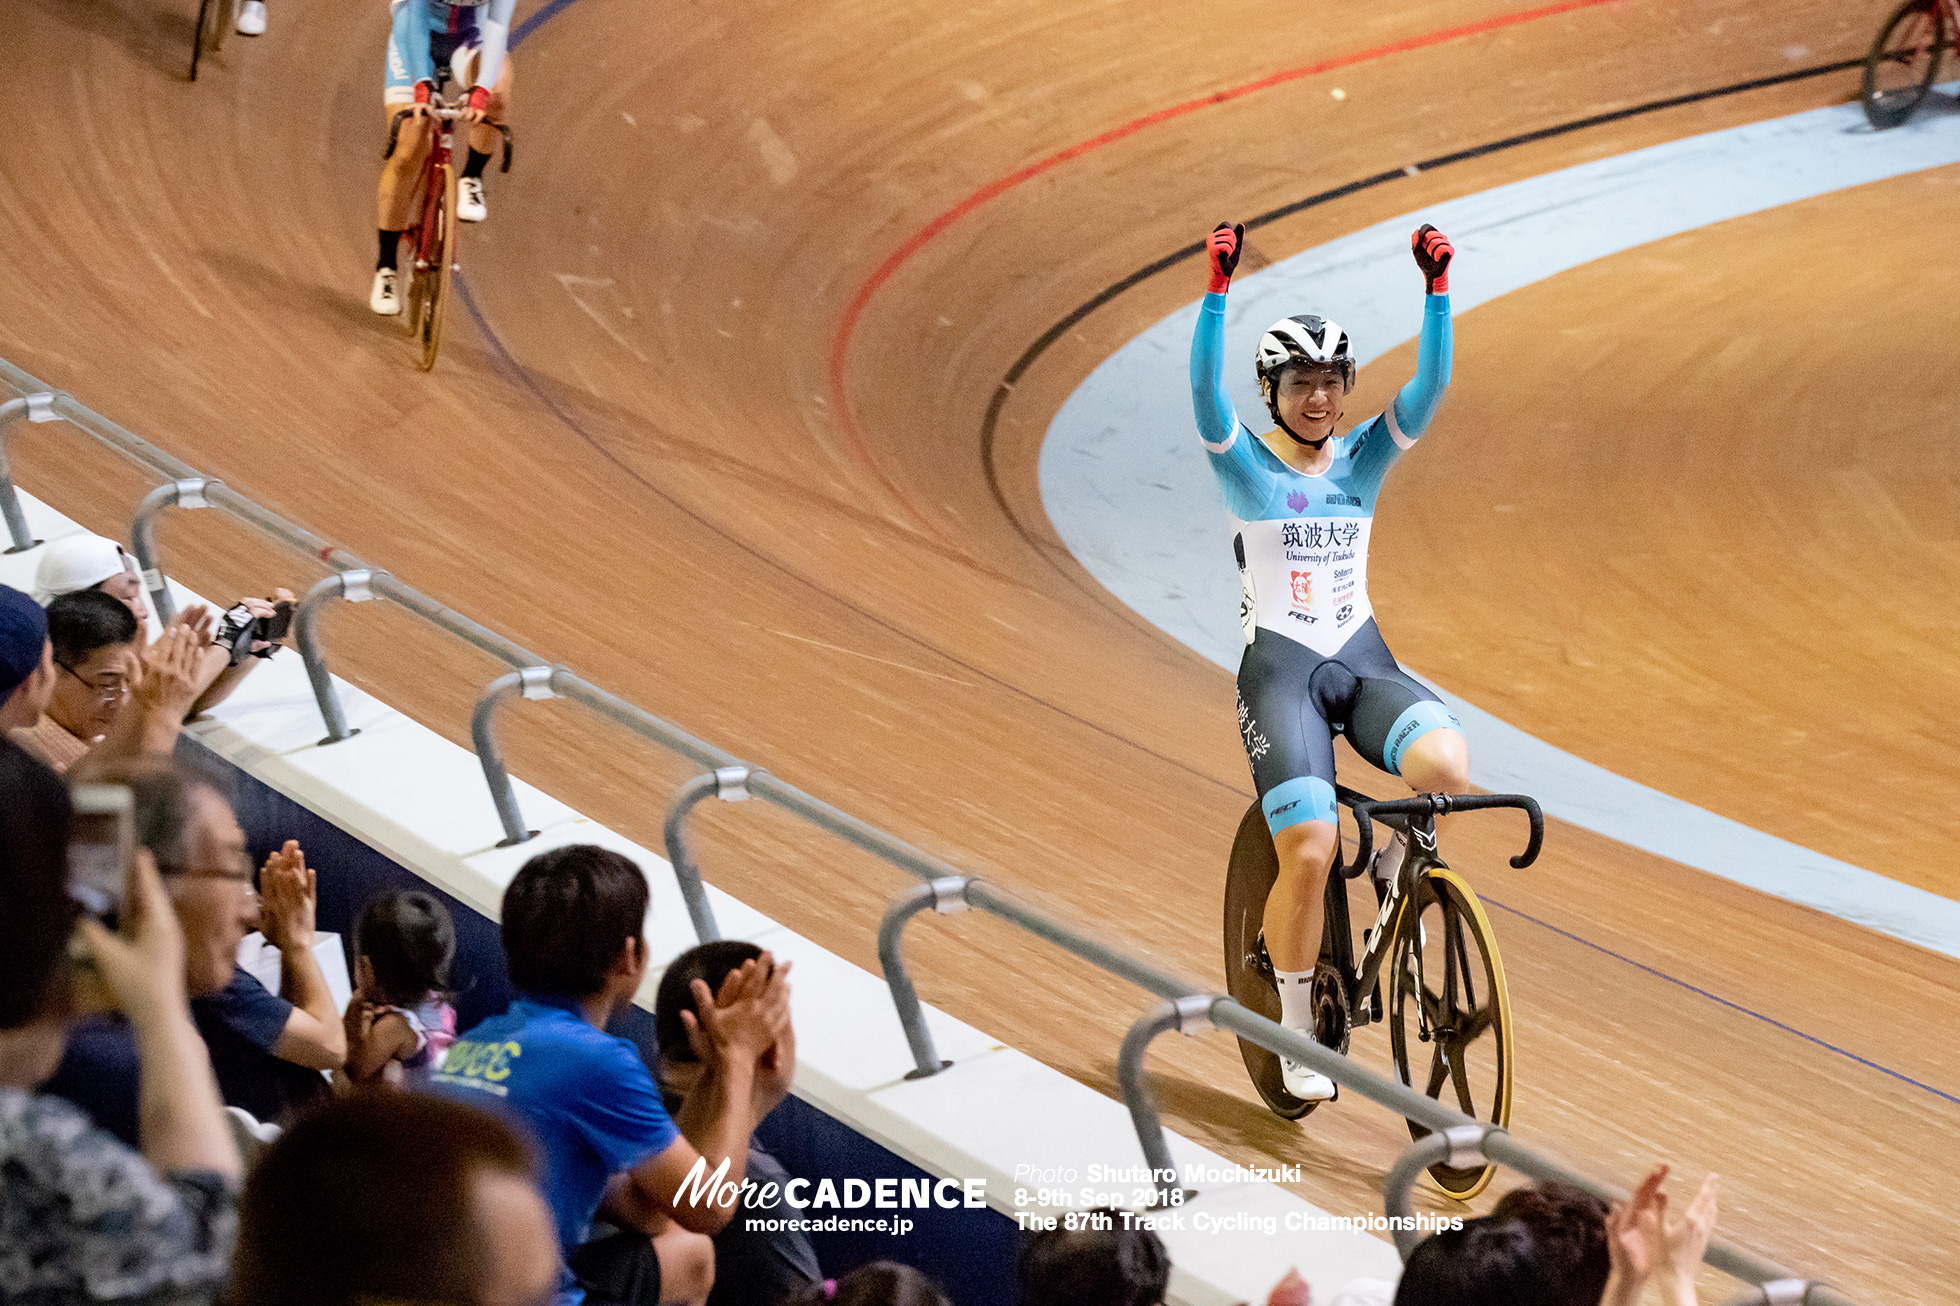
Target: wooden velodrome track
(656,457)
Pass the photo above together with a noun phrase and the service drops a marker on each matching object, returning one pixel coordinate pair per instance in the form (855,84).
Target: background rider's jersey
(484,22)
(1302,541)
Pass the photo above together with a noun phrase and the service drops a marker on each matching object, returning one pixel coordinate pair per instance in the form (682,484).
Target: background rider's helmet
(1304,338)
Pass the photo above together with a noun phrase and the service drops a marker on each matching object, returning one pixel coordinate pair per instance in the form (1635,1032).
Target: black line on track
(572,424)
(1033,352)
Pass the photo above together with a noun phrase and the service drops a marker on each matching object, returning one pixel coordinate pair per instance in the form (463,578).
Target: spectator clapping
(83,1217)
(268,1049)
(753,1267)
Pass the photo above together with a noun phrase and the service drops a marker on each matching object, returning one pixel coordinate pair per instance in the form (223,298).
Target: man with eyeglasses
(268,1049)
(95,640)
(109,697)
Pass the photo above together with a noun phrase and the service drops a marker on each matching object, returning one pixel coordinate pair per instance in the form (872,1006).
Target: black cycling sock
(474,168)
(389,241)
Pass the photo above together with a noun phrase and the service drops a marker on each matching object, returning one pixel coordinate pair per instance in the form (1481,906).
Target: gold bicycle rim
(439,270)
(1500,993)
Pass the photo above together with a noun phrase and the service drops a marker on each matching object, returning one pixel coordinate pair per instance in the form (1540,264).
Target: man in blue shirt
(574,937)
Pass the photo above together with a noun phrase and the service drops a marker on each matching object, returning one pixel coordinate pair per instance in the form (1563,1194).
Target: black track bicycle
(1447,1007)
(1905,59)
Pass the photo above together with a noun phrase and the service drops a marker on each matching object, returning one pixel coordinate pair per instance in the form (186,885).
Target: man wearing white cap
(84,561)
(81,562)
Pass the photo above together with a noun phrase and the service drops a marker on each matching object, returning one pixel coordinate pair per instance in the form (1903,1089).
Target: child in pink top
(399,1025)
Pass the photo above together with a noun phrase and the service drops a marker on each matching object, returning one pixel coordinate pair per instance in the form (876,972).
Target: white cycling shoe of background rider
(1307,1085)
(251,18)
(469,200)
(383,299)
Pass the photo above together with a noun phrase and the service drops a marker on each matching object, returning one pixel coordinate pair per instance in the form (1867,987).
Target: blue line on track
(539,19)
(1733,1006)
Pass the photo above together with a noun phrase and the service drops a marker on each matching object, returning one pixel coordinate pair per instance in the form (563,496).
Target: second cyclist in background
(469,39)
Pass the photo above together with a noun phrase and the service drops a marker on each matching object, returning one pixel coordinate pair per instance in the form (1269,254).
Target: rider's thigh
(1288,743)
(1306,851)
(1438,763)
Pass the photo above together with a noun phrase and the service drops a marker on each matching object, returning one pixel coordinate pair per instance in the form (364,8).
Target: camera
(240,630)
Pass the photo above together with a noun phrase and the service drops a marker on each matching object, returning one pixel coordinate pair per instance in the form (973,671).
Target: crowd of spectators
(534,1160)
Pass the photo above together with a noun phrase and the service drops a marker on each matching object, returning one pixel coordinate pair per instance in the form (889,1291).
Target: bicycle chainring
(1331,1028)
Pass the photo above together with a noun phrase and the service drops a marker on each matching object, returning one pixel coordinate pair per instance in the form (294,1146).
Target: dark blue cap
(23,636)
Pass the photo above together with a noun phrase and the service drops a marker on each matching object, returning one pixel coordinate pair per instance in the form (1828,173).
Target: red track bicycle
(434,232)
(1905,59)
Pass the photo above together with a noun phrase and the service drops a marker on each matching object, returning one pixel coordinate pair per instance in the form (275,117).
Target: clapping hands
(1641,1240)
(747,1025)
(288,895)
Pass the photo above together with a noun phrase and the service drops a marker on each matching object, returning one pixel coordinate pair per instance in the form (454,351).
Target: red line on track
(841,342)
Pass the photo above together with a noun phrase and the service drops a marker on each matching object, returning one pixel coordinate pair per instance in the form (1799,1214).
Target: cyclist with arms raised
(1302,502)
(454,34)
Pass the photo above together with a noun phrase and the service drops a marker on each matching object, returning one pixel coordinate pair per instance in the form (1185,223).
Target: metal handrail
(533,677)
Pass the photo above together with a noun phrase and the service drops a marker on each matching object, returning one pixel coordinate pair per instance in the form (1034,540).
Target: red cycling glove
(1222,246)
(422,91)
(479,98)
(1433,254)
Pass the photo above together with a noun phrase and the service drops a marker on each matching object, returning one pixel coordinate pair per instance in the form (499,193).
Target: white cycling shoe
(383,299)
(1307,1085)
(251,18)
(469,200)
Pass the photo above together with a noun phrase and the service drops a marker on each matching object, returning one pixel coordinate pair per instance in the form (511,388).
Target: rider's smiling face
(1311,400)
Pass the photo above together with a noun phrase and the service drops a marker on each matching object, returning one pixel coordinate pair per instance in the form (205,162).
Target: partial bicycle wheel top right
(1904,60)
(1449,1019)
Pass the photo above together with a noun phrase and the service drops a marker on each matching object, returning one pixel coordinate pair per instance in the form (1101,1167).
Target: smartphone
(102,848)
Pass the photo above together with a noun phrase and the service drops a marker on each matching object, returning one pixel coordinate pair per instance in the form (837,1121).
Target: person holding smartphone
(105,1222)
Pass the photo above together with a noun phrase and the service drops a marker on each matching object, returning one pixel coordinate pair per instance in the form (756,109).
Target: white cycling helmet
(1305,338)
